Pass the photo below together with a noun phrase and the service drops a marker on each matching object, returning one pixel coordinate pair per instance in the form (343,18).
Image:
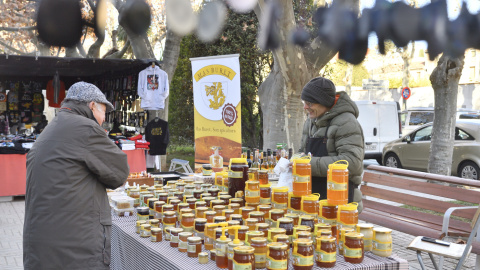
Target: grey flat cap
(87,92)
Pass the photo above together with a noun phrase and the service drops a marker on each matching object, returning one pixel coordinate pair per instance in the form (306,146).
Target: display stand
(14,174)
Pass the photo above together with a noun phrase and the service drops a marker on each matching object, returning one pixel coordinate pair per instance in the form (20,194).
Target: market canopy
(71,70)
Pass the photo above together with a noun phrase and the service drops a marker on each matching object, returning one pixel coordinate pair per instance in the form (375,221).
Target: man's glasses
(309,104)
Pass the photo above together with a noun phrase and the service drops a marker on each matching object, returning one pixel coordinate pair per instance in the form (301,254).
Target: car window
(462,135)
(424,134)
(420,118)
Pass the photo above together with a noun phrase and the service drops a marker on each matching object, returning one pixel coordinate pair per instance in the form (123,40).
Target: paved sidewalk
(11,230)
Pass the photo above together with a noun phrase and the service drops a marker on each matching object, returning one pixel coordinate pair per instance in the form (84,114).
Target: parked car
(380,121)
(412,150)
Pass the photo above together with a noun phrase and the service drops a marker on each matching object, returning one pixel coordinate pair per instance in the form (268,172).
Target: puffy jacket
(67,213)
(345,141)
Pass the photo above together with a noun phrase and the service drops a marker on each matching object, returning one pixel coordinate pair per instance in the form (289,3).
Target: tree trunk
(71,52)
(348,79)
(94,50)
(444,80)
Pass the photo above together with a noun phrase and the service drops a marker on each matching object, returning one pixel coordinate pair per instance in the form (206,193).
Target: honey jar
(237,175)
(295,217)
(280,198)
(151,206)
(272,232)
(214,191)
(187,222)
(219,209)
(328,215)
(353,247)
(135,193)
(207,169)
(266,194)
(282,238)
(156,235)
(200,212)
(252,234)
(367,231)
(347,215)
(227,213)
(322,226)
(208,200)
(326,251)
(197,193)
(226,198)
(260,246)
(182,241)
(341,240)
(199,227)
(169,220)
(167,207)
(219,219)
(235,207)
(230,247)
(382,242)
(189,190)
(302,176)
(198,184)
(243,258)
(143,213)
(309,221)
(174,240)
(337,183)
(277,256)
(300,228)
(139,225)
(194,246)
(200,204)
(237,217)
(262,227)
(203,258)
(302,254)
(259,215)
(191,203)
(146,196)
(219,181)
(158,209)
(252,191)
(275,214)
(303,235)
(263,177)
(154,223)
(167,234)
(244,211)
(221,257)
(294,204)
(287,224)
(265,208)
(251,223)
(310,205)
(183,206)
(253,174)
(209,215)
(145,230)
(237,200)
(210,235)
(253,205)
(205,187)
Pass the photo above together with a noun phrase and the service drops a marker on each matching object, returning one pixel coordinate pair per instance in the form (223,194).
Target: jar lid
(354,235)
(280,189)
(210,212)
(142,209)
(207,198)
(233,222)
(206,185)
(325,203)
(198,182)
(189,186)
(303,233)
(238,200)
(237,216)
(188,215)
(278,246)
(277,230)
(259,240)
(185,234)
(146,226)
(176,230)
(326,238)
(257,213)
(307,217)
(194,239)
(303,242)
(348,207)
(191,200)
(148,195)
(159,203)
(247,208)
(134,190)
(178,193)
(201,208)
(254,233)
(365,225)
(203,254)
(223,241)
(167,205)
(213,251)
(277,211)
(154,221)
(285,220)
(281,237)
(220,218)
(311,197)
(235,244)
(238,160)
(200,220)
(263,225)
(169,213)
(223,193)
(198,191)
(338,166)
(292,216)
(176,201)
(200,203)
(266,186)
(145,192)
(219,207)
(264,206)
(183,204)
(140,222)
(224,196)
(156,230)
(228,211)
(252,220)
(346,230)
(243,228)
(302,228)
(252,182)
(244,250)
(180,184)
(206,165)
(151,188)
(382,230)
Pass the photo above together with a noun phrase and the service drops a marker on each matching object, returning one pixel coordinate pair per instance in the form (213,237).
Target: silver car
(412,150)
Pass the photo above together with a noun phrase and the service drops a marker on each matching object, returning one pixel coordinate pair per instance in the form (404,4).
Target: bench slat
(423,187)
(412,214)
(425,203)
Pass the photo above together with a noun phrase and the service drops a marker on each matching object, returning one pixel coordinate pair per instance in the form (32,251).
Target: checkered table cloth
(130,251)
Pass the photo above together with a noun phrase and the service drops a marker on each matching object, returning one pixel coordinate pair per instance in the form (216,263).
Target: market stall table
(130,251)
(13,169)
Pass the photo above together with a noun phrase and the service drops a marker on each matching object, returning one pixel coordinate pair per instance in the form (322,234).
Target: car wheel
(379,160)
(392,160)
(469,170)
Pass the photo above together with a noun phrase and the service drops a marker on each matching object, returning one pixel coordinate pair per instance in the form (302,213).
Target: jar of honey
(221,257)
(168,235)
(200,204)
(254,205)
(235,207)
(209,215)
(262,227)
(162,196)
(218,219)
(310,205)
(198,184)
(237,175)
(209,200)
(302,254)
(242,232)
(175,204)
(189,190)
(191,203)
(219,209)
(145,230)
(322,226)
(337,183)
(326,251)
(169,219)
(230,247)
(207,169)
(347,215)
(182,241)
(353,247)
(245,211)
(294,203)
(382,242)
(187,222)
(266,194)
(252,191)
(263,177)
(203,258)
(154,223)
(309,221)
(186,211)
(295,217)
(237,200)
(219,181)
(302,176)
(227,213)
(277,256)
(237,217)
(171,198)
(280,198)
(151,206)
(367,231)
(200,211)
(300,228)
(158,209)
(275,214)
(213,191)
(324,232)
(282,238)
(253,174)
(143,213)
(303,235)
(251,223)
(174,236)
(272,232)
(156,235)
(210,235)
(252,234)
(135,193)
(179,195)
(287,224)
(183,206)
(139,225)
(328,215)
(260,246)
(146,197)
(206,186)
(197,193)
(226,199)
(167,207)
(259,215)
(243,258)
(194,246)
(341,239)
(199,227)
(265,208)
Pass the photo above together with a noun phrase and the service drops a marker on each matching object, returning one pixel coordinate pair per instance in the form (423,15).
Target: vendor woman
(331,133)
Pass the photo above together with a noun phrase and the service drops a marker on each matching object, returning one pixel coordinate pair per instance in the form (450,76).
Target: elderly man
(67,214)
(332,133)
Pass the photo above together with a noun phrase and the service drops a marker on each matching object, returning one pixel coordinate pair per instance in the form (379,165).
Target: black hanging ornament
(136,15)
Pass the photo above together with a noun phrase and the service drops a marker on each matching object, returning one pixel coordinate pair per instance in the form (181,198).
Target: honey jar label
(382,246)
(174,239)
(301,179)
(191,248)
(230,254)
(235,174)
(327,257)
(264,200)
(367,242)
(352,252)
(260,257)
(241,266)
(221,249)
(167,225)
(300,260)
(187,229)
(153,238)
(136,201)
(142,217)
(337,186)
(252,193)
(276,205)
(273,264)
(182,245)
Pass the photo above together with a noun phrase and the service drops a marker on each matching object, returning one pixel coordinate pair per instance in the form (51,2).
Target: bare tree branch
(81,50)
(11,48)
(120,53)
(13,29)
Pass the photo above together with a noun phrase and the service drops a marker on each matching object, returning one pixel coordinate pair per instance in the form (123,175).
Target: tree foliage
(238,37)
(338,69)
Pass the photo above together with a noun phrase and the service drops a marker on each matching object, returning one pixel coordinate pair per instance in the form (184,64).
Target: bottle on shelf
(256,160)
(249,161)
(290,153)
(264,161)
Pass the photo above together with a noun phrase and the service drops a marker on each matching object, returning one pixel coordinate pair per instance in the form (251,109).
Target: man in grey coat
(332,133)
(67,214)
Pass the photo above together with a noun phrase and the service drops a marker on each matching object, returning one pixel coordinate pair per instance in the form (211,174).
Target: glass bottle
(256,160)
(237,176)
(353,247)
(260,246)
(156,235)
(249,161)
(264,165)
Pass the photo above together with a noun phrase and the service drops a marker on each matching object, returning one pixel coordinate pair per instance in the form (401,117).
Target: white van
(380,121)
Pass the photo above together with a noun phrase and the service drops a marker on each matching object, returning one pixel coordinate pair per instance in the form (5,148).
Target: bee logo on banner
(216,92)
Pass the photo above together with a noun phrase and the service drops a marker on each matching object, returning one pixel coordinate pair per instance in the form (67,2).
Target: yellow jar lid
(280,189)
(365,225)
(339,165)
(354,235)
(140,222)
(302,160)
(244,250)
(268,185)
(325,202)
(238,160)
(292,216)
(311,197)
(348,207)
(253,220)
(281,237)
(278,246)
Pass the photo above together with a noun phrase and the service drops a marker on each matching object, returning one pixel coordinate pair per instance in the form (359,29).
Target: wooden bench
(412,221)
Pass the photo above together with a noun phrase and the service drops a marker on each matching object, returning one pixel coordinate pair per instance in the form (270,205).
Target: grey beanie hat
(87,92)
(319,90)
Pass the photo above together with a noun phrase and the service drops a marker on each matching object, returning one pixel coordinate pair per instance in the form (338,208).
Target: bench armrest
(448,213)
